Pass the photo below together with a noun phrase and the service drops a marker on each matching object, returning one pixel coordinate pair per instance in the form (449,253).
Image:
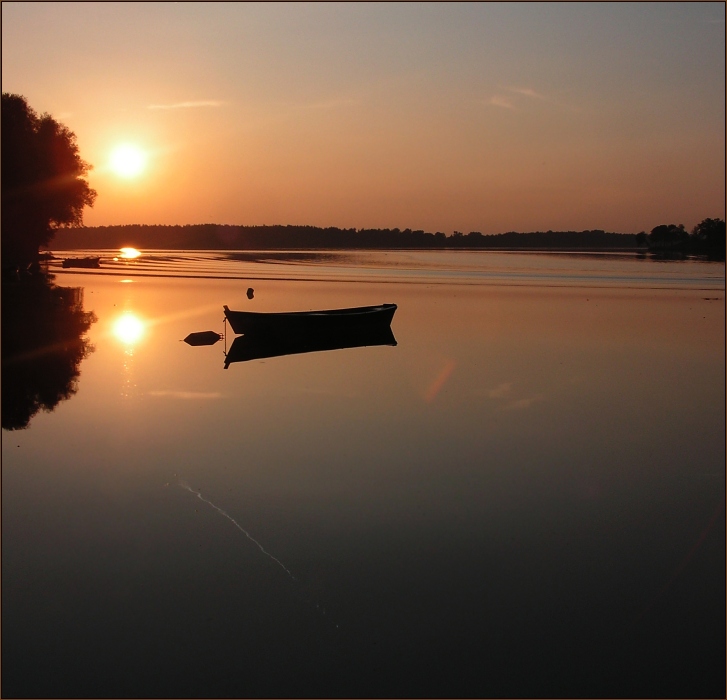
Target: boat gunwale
(352,311)
(243,322)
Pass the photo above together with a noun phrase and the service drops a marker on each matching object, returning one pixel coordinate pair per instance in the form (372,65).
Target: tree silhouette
(43,185)
(43,344)
(710,233)
(668,236)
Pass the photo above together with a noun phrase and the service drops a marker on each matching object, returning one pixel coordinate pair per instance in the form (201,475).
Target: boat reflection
(256,346)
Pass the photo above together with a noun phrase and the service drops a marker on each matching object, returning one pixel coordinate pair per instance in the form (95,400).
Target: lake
(524,496)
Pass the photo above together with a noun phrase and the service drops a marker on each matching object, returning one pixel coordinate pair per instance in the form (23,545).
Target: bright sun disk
(128,160)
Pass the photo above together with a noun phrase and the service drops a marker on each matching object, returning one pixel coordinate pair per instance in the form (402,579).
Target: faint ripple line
(186,486)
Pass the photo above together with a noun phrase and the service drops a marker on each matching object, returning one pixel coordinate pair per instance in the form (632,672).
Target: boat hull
(282,325)
(81,262)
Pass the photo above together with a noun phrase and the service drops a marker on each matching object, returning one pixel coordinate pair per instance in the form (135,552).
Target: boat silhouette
(331,320)
(81,262)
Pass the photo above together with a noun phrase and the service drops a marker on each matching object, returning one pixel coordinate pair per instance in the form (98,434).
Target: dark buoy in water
(203,338)
(250,292)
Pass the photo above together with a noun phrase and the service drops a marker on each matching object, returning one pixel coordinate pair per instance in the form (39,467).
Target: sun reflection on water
(127,253)
(129,328)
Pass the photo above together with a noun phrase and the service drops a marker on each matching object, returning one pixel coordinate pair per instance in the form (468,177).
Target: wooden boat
(282,324)
(254,346)
(81,262)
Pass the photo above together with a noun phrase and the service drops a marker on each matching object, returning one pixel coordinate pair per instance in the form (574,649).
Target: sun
(128,160)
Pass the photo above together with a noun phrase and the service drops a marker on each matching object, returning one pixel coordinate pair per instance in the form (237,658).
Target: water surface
(523,497)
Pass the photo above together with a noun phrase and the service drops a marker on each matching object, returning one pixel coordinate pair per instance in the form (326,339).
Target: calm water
(523,497)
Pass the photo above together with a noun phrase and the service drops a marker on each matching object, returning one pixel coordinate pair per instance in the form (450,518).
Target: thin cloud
(503,393)
(527,92)
(188,394)
(521,404)
(500,391)
(501,101)
(332,103)
(186,105)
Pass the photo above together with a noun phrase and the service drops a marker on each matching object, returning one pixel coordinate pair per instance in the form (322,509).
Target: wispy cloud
(500,391)
(332,103)
(527,92)
(315,391)
(503,393)
(511,101)
(520,404)
(501,101)
(186,105)
(188,394)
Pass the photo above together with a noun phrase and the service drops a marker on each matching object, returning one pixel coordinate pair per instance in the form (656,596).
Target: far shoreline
(240,238)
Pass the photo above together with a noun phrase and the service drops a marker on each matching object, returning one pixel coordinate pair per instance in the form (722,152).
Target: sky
(437,116)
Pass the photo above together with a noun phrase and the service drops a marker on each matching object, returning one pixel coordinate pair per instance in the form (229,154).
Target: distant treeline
(226,237)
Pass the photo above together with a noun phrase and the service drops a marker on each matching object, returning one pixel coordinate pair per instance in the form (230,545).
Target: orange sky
(488,117)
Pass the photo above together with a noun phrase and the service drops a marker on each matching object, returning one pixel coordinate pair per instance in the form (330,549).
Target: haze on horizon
(487,117)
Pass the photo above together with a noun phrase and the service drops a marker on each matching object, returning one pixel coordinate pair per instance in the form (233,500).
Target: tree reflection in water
(43,343)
